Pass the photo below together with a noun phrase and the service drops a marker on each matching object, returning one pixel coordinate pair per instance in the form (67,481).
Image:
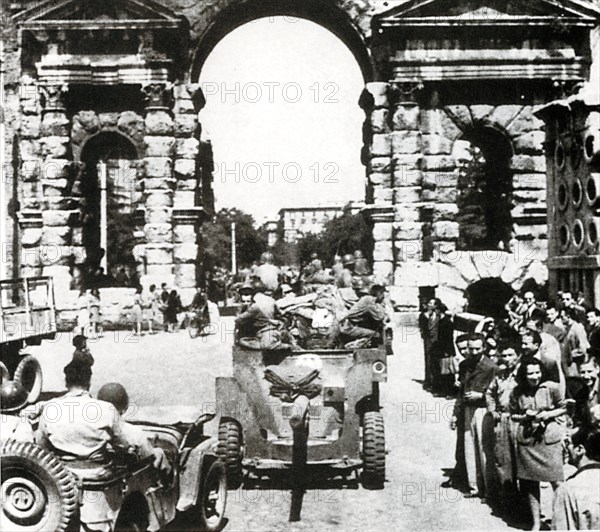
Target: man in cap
(82,351)
(13,426)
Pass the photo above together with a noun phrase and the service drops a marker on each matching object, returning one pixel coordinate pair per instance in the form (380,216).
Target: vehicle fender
(191,474)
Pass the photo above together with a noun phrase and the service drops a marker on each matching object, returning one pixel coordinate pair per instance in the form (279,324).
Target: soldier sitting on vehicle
(344,278)
(82,432)
(116,394)
(13,425)
(364,322)
(259,326)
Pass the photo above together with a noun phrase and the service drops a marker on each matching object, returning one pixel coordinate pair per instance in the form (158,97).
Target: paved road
(171,369)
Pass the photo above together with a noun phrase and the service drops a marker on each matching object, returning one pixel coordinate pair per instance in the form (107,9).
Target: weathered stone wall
(412,126)
(411,168)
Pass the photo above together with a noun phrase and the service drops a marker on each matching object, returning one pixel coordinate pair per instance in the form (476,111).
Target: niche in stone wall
(484,197)
(119,158)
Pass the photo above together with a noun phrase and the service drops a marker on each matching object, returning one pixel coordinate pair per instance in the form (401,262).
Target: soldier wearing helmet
(14,426)
(81,431)
(316,262)
(267,272)
(344,278)
(116,394)
(361,266)
(337,266)
(259,326)
(365,321)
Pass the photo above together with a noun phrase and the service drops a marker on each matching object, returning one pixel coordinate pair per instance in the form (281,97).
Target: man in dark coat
(476,373)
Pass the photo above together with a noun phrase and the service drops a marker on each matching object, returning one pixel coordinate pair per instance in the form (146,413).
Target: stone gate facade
(450,93)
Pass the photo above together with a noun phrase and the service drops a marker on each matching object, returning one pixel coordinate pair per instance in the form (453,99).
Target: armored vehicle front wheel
(38,492)
(373,450)
(230,451)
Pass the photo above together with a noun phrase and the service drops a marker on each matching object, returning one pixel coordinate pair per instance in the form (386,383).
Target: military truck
(321,404)
(27,316)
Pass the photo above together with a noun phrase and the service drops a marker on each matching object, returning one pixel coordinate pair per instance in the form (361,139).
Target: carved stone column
(407,182)
(159,183)
(56,176)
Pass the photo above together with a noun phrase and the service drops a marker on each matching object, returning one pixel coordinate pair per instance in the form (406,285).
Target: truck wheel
(213,498)
(4,373)
(229,451)
(373,475)
(29,374)
(38,492)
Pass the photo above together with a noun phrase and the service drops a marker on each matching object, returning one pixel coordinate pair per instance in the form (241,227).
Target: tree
(344,234)
(216,239)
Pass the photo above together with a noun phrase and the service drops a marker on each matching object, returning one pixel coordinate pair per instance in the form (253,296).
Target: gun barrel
(298,420)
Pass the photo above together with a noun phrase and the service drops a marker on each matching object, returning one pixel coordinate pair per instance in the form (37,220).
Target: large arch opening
(327,16)
(286,132)
(488,297)
(110,196)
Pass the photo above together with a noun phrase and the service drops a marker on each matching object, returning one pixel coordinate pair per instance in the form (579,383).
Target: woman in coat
(538,406)
(173,308)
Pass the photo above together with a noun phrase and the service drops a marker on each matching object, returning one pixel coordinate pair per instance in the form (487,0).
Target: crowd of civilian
(527,413)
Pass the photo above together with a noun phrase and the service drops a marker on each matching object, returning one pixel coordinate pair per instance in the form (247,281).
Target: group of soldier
(326,307)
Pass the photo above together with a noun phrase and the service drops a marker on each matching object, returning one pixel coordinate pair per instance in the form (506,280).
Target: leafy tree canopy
(250,243)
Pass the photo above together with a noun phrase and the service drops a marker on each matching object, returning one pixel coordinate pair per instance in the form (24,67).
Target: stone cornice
(379,213)
(188,216)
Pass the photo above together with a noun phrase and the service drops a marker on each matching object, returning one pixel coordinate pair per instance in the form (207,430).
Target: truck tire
(29,374)
(373,448)
(213,498)
(38,492)
(4,373)
(229,451)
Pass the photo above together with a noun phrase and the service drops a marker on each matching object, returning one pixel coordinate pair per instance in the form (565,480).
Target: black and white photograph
(299,265)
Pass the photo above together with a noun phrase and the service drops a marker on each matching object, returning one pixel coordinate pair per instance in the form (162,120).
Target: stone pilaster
(159,183)
(189,100)
(377,148)
(381,218)
(186,226)
(56,177)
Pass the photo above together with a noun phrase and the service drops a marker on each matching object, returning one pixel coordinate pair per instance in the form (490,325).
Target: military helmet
(246,289)
(114,393)
(348,259)
(13,396)
(267,257)
(360,286)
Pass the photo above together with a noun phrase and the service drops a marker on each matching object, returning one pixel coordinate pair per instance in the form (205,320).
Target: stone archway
(350,21)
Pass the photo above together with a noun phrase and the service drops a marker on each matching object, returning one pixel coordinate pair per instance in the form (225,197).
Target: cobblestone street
(171,370)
